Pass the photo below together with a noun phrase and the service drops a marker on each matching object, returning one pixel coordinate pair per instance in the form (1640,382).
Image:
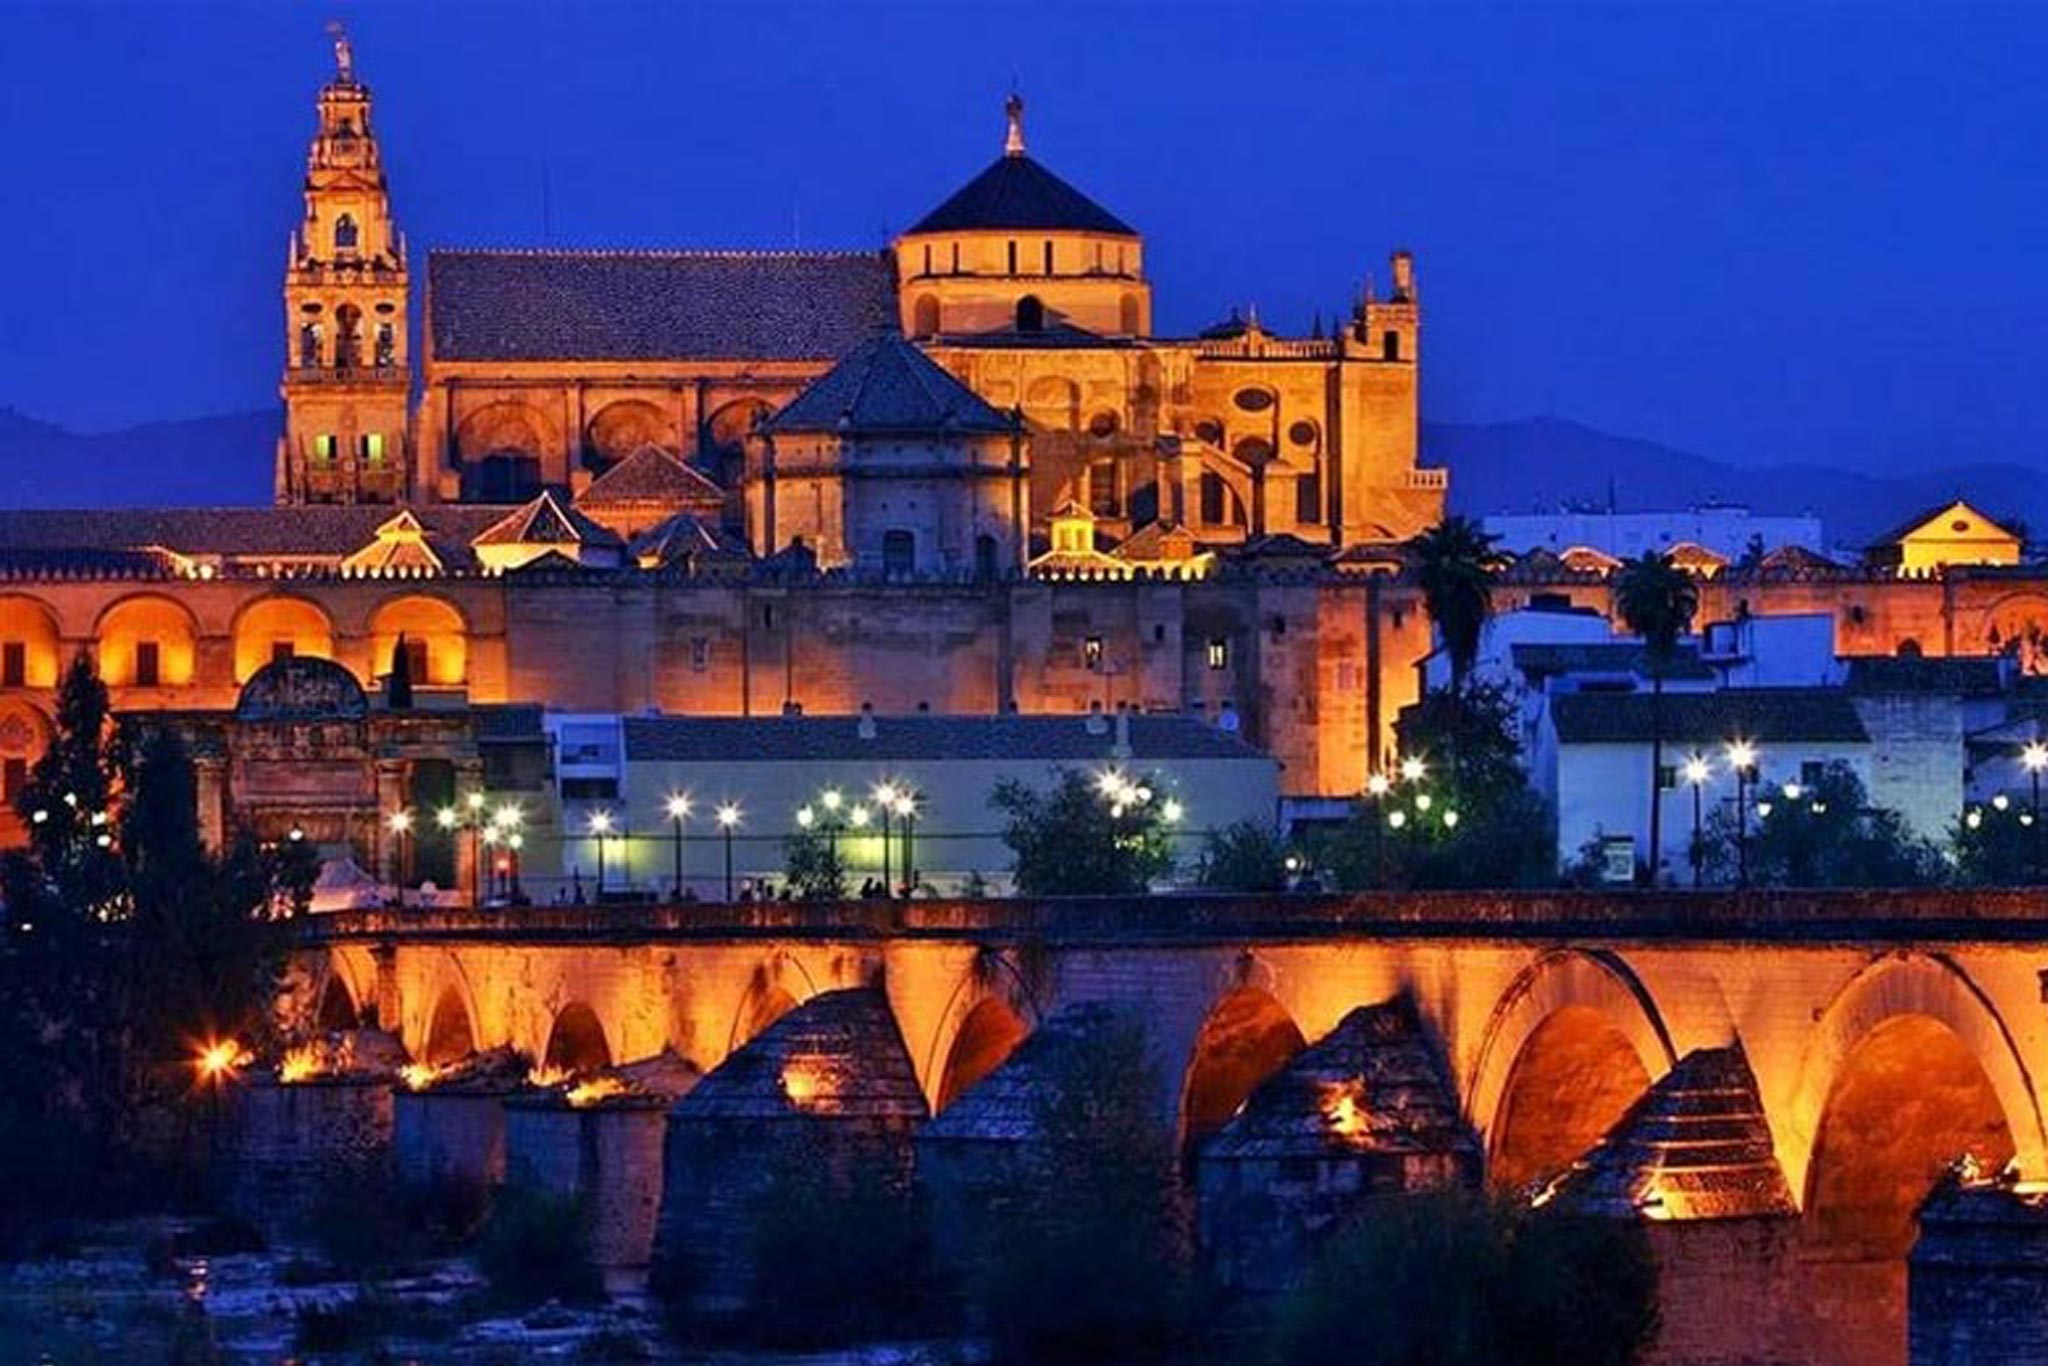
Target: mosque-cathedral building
(961,475)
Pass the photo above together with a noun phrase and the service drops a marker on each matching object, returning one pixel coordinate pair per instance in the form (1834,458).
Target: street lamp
(2034,758)
(1697,771)
(728,818)
(1742,759)
(399,823)
(679,811)
(1412,769)
(885,802)
(906,808)
(600,826)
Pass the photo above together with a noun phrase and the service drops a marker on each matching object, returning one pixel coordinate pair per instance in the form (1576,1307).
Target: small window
(1048,258)
(1667,778)
(1390,346)
(1030,314)
(323,448)
(281,650)
(1102,491)
(1212,498)
(1091,652)
(387,345)
(148,664)
(13,778)
(14,664)
(309,346)
(1159,633)
(345,233)
(372,448)
(1013,258)
(956,258)
(985,557)
(1219,652)
(1308,499)
(927,258)
(700,653)
(899,552)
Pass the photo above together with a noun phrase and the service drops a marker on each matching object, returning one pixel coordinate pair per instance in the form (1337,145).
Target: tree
(813,866)
(1452,1280)
(1455,562)
(1102,836)
(1469,819)
(1999,846)
(1657,600)
(1826,834)
(1243,857)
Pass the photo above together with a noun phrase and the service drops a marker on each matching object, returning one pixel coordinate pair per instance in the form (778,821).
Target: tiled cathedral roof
(547,520)
(888,385)
(313,532)
(1017,192)
(651,475)
(598,305)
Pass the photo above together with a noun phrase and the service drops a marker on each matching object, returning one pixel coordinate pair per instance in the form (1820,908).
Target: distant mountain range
(1536,464)
(1532,464)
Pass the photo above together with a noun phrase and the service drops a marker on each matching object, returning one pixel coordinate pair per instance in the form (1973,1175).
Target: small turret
(1013,111)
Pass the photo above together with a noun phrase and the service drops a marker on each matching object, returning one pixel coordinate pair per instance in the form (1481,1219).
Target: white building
(1726,530)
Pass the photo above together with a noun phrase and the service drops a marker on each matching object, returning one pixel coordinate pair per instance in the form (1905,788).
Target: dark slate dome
(1017,192)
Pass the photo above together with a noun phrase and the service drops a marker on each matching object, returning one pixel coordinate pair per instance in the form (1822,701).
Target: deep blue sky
(1764,232)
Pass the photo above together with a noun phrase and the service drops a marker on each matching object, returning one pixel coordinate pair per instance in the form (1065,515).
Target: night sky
(1762,232)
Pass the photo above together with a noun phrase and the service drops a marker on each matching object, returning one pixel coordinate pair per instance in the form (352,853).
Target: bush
(1453,1280)
(1244,857)
(535,1247)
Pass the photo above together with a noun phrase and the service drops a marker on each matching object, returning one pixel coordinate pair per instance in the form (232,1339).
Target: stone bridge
(1888,1032)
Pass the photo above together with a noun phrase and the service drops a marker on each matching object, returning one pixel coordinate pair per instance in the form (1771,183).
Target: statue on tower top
(344,55)
(1013,110)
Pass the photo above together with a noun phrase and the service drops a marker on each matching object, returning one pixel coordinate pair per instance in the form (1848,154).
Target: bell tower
(347,375)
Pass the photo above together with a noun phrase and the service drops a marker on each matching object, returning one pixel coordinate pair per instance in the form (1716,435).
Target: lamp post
(1697,771)
(600,826)
(906,810)
(678,812)
(728,818)
(1377,787)
(399,823)
(1742,759)
(885,802)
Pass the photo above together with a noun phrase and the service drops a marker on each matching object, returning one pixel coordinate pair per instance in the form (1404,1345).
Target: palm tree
(1455,562)
(1656,600)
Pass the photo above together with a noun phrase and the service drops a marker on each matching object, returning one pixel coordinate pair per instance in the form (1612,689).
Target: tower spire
(344,55)
(1013,110)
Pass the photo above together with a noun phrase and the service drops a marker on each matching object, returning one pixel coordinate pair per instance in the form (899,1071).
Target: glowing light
(831,799)
(1763,808)
(859,816)
(906,804)
(1292,863)
(1378,784)
(2034,756)
(729,815)
(1397,819)
(1450,820)
(2026,818)
(446,817)
(1423,801)
(800,1084)
(1791,792)
(1820,808)
(1698,770)
(418,1076)
(1346,1117)
(105,841)
(586,1093)
(509,816)
(678,806)
(295,834)
(477,801)
(885,796)
(1170,811)
(1412,769)
(1741,754)
(1974,819)
(220,1059)
(399,822)
(517,840)
(302,1063)
(600,822)
(2001,801)
(40,816)
(546,1078)
(806,817)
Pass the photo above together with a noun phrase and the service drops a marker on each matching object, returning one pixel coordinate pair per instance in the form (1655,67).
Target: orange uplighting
(800,1084)
(220,1059)
(596,1089)
(1344,1111)
(302,1063)
(545,1077)
(418,1076)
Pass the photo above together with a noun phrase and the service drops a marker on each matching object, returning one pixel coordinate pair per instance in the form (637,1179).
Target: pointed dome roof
(1017,192)
(888,385)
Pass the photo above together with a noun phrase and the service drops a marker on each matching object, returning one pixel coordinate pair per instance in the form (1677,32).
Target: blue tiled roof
(888,385)
(1017,192)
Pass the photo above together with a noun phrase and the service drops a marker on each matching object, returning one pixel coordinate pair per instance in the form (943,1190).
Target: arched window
(899,552)
(309,346)
(1030,314)
(985,556)
(348,337)
(345,233)
(925,316)
(387,344)
(1390,345)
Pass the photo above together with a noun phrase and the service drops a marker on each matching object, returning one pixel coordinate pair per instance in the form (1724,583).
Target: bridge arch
(451,1030)
(337,1009)
(577,1042)
(1245,1038)
(777,987)
(1574,1040)
(990,1012)
(1909,1069)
